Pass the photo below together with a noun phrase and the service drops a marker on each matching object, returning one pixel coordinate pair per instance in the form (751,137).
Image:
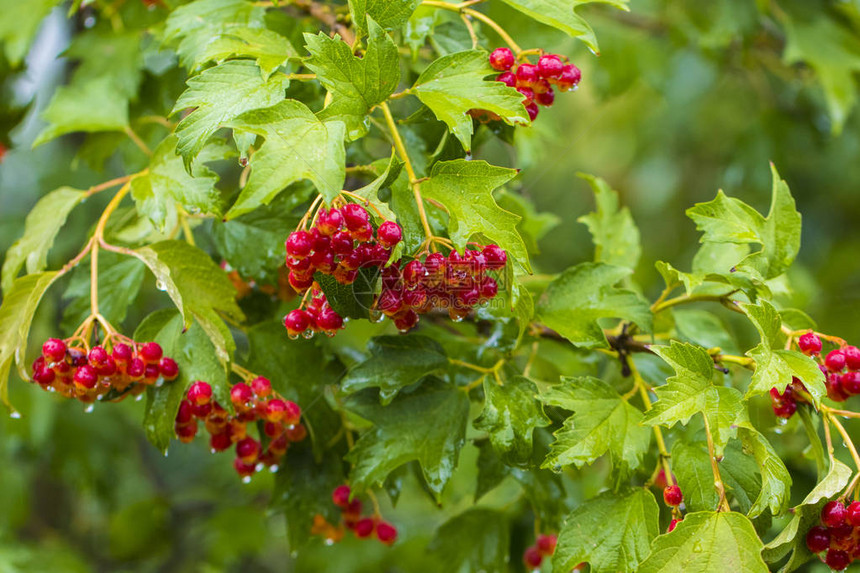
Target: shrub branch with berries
(318,168)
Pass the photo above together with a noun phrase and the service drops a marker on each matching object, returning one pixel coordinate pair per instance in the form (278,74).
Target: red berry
(323,260)
(853,513)
(151,373)
(405,321)
(784,409)
(43,376)
(852,357)
(299,244)
(136,368)
(341,243)
(329,221)
(837,560)
(489,288)
(389,301)
(569,78)
(502,59)
(241,394)
(300,283)
(527,74)
(200,393)
(54,349)
(809,343)
(364,528)
(672,495)
(169,368)
(546,544)
(851,382)
(329,321)
(545,98)
(292,413)
(495,256)
(672,524)
(297,433)
(186,432)
(201,410)
(243,469)
(340,496)
(76,356)
(532,557)
(527,93)
(97,355)
(220,442)
(833,514)
(818,539)
(296,322)
(508,79)
(355,216)
(106,368)
(275,410)
(247,450)
(386,532)
(389,234)
(86,376)
(413,273)
(185,413)
(835,360)
(122,353)
(352,510)
(550,66)
(261,386)
(151,352)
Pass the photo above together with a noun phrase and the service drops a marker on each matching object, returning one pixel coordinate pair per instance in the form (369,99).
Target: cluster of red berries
(456,283)
(544,547)
(838,534)
(339,244)
(841,368)
(535,81)
(363,527)
(88,375)
(316,316)
(253,403)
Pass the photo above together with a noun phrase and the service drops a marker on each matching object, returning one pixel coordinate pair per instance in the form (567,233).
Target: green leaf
(88,106)
(389,14)
(574,302)
(298,146)
(269,49)
(487,531)
(691,465)
(16,313)
(197,358)
(615,235)
(707,542)
(602,421)
(356,84)
(386,178)
(395,362)
(674,277)
(775,366)
(775,479)
(561,14)
(792,539)
(120,279)
(40,229)
(705,329)
(303,489)
(533,225)
(831,48)
(427,425)
(465,188)
(219,95)
(167,182)
(455,84)
(511,413)
(611,532)
(729,220)
(299,370)
(198,288)
(19,25)
(265,228)
(692,391)
(115,56)
(353,300)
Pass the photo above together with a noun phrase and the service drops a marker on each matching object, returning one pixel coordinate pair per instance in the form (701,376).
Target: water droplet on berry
(293,336)
(330,334)
(138,398)
(16,415)
(457,319)
(273,468)
(376,316)
(246,479)
(308,334)
(89,408)
(329,541)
